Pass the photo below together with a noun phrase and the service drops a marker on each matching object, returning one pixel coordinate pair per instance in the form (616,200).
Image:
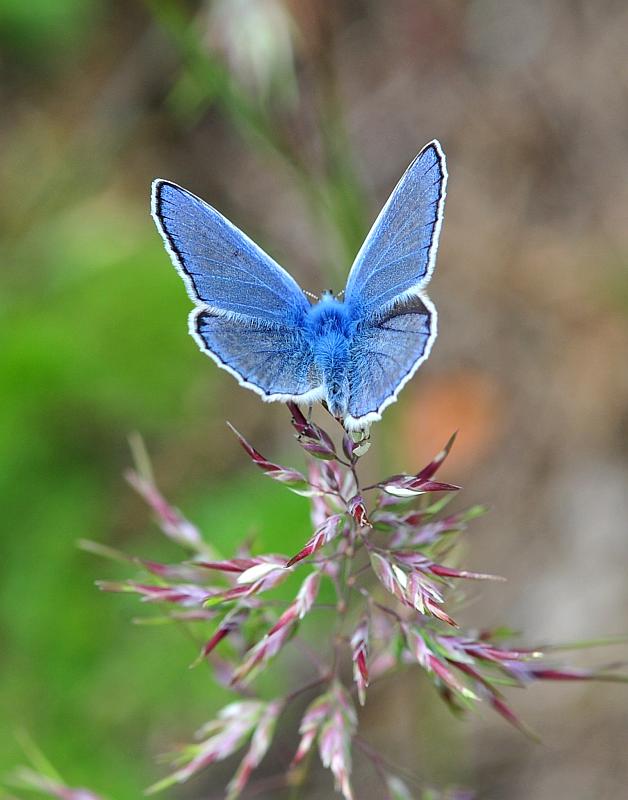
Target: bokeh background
(296,118)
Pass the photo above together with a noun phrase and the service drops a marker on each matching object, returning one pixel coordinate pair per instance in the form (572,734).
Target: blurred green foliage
(40,30)
(78,372)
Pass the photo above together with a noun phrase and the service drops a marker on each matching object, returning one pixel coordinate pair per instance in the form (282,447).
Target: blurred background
(296,118)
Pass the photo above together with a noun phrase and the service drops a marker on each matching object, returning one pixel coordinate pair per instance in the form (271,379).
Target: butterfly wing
(399,253)
(396,322)
(250,312)
(385,353)
(222,268)
(274,360)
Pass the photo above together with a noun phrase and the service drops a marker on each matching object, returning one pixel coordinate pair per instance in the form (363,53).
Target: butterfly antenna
(339,295)
(311,295)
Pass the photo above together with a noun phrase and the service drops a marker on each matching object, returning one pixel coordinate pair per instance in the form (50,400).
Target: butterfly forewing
(398,255)
(222,268)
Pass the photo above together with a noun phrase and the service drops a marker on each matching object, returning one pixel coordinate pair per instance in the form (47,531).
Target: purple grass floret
(359,656)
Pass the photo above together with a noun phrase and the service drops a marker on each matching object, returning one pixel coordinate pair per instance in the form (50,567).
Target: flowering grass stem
(396,594)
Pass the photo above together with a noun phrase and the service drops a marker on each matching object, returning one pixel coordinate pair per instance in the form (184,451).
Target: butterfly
(253,319)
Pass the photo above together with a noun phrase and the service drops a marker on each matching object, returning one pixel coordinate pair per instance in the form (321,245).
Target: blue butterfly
(253,320)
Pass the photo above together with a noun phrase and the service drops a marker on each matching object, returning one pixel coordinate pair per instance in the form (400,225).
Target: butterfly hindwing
(385,354)
(275,361)
(398,255)
(222,268)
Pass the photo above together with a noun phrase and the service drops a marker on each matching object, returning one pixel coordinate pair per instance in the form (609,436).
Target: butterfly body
(254,321)
(331,332)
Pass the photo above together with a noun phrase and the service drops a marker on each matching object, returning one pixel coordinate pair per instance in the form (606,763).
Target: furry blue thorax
(331,331)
